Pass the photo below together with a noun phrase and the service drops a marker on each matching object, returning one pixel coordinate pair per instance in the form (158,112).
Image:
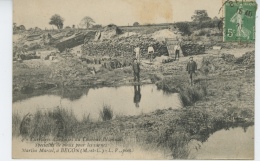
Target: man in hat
(191,68)
(136,69)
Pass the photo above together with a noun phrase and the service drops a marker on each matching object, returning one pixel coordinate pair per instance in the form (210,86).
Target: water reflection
(65,93)
(137,96)
(73,93)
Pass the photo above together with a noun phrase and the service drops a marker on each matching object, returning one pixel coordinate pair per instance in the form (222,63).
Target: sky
(37,13)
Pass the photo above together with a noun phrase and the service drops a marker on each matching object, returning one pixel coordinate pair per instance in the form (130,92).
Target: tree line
(87,22)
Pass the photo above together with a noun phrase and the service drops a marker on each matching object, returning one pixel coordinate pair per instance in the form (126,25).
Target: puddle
(235,143)
(125,100)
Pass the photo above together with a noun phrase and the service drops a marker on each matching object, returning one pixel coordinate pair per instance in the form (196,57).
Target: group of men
(190,68)
(138,54)
(177,50)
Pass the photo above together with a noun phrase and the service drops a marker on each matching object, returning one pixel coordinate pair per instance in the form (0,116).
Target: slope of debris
(247,59)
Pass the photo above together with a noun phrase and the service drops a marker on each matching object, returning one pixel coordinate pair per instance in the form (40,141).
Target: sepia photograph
(133,79)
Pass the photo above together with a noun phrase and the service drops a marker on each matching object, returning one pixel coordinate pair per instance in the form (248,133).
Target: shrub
(16,121)
(189,94)
(179,145)
(67,118)
(154,78)
(86,118)
(176,140)
(247,59)
(58,122)
(42,125)
(136,24)
(203,33)
(208,24)
(204,24)
(106,113)
(184,27)
(167,85)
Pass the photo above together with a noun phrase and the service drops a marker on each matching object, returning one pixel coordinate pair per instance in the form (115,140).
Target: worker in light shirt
(150,52)
(177,49)
(137,53)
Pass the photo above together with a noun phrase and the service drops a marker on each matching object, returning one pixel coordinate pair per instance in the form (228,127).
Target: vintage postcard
(133,79)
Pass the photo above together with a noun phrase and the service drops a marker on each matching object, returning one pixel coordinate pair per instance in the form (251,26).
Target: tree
(136,24)
(215,18)
(18,28)
(57,21)
(22,28)
(14,27)
(86,22)
(200,15)
(183,27)
(37,29)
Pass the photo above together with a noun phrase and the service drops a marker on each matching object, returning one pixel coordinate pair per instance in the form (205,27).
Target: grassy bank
(170,129)
(189,94)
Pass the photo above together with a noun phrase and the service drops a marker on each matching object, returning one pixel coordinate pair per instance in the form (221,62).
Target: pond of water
(125,100)
(235,143)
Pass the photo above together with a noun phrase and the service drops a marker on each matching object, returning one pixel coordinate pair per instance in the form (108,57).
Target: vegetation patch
(189,94)
(106,113)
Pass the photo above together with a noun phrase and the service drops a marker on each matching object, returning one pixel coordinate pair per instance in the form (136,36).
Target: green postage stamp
(239,21)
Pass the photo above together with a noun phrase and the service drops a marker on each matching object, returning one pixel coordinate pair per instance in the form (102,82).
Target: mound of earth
(109,32)
(162,34)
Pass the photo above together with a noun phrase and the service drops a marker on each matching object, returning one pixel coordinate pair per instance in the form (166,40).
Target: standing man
(177,49)
(136,69)
(191,68)
(150,52)
(137,53)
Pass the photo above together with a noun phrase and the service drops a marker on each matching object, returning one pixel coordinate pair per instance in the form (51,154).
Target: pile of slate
(191,48)
(124,46)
